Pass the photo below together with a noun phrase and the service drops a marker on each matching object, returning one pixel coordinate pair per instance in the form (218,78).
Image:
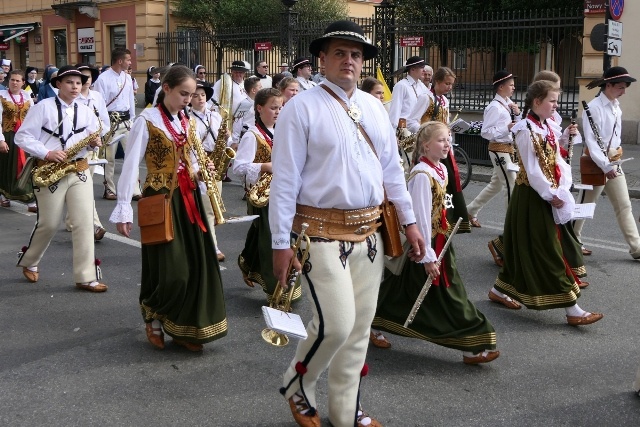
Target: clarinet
(514,157)
(594,128)
(574,115)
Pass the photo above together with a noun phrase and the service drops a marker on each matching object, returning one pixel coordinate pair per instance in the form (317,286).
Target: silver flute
(427,284)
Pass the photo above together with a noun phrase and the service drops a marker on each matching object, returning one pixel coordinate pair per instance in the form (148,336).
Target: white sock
(34,269)
(155,324)
(32,204)
(297,399)
(500,294)
(575,310)
(365,421)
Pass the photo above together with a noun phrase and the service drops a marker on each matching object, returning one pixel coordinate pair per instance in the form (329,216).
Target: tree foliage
(216,14)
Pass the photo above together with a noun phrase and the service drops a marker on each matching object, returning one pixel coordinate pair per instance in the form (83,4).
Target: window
(118,36)
(60,47)
(460,59)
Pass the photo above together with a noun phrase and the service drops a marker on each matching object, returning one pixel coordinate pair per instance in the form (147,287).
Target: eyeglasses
(202,72)
(264,66)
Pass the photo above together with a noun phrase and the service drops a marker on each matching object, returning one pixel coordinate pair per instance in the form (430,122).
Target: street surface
(72,358)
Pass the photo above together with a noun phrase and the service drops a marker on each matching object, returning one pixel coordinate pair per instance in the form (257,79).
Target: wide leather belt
(82,164)
(349,225)
(501,147)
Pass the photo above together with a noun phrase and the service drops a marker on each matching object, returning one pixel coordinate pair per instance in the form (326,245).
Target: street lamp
(289,20)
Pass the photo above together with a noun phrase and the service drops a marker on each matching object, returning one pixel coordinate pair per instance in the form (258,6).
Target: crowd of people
(324,153)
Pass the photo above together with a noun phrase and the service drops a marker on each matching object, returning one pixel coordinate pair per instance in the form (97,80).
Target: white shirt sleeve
(28,136)
(494,125)
(420,190)
(397,98)
(536,177)
(420,107)
(595,151)
(243,163)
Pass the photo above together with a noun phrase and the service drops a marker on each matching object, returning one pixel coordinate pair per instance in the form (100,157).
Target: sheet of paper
(245,218)
(512,167)
(583,186)
(584,210)
(287,323)
(459,126)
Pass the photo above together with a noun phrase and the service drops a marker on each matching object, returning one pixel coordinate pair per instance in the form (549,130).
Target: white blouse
(243,163)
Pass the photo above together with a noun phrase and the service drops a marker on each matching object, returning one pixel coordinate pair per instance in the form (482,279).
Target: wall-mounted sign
(4,46)
(616,7)
(416,41)
(86,40)
(263,46)
(594,6)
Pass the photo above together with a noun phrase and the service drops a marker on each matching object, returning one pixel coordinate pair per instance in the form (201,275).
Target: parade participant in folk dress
(325,171)
(302,73)
(181,288)
(14,105)
(536,271)
(406,91)
(58,132)
(251,86)
(289,87)
(607,117)
(208,123)
(116,87)
(253,161)
(434,106)
(498,119)
(446,316)
(374,87)
(571,247)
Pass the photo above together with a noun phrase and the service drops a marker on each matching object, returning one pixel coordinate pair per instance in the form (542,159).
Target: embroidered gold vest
(442,116)
(11,114)
(438,194)
(546,155)
(160,158)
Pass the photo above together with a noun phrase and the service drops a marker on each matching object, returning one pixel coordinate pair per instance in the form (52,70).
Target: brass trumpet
(269,335)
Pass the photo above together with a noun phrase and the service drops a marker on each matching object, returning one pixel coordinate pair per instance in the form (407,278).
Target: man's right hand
(611,174)
(56,156)
(281,260)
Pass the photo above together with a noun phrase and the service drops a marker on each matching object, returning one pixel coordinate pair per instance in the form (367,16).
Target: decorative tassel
(22,251)
(300,368)
(365,370)
(98,270)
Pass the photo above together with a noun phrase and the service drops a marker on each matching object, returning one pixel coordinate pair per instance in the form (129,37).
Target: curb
(634,193)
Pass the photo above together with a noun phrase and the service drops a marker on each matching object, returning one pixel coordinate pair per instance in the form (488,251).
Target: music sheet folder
(287,323)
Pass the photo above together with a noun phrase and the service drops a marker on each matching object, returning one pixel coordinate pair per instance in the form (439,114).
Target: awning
(11,31)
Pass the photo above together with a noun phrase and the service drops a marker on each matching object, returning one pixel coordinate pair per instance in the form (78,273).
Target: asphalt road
(72,358)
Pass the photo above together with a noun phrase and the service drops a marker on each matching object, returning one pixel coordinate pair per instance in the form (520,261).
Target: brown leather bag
(590,173)
(154,214)
(390,230)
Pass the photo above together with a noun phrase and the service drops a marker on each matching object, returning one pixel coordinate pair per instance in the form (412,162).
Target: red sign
(616,7)
(4,46)
(594,6)
(411,41)
(263,46)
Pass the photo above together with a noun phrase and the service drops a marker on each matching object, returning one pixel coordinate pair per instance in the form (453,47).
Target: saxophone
(114,120)
(408,143)
(52,172)
(207,178)
(258,194)
(222,155)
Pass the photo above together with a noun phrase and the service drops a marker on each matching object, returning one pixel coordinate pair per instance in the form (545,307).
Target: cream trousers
(501,178)
(618,193)
(343,301)
(76,191)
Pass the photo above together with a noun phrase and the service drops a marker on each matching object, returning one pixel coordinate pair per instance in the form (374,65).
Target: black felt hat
(299,63)
(239,66)
(410,62)
(346,30)
(68,70)
(208,90)
(613,75)
(94,71)
(501,76)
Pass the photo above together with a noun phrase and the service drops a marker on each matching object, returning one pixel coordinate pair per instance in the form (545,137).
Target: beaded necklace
(18,104)
(550,138)
(438,168)
(181,137)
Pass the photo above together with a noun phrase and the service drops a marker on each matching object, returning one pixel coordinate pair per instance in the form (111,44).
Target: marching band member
(289,87)
(208,123)
(446,316)
(302,73)
(325,170)
(496,127)
(55,127)
(434,106)
(181,288)
(535,271)
(253,161)
(607,115)
(251,86)
(14,105)
(406,91)
(116,87)
(374,87)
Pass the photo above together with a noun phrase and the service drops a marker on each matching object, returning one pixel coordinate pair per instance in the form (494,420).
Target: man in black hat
(607,117)
(54,127)
(239,70)
(335,149)
(302,73)
(406,91)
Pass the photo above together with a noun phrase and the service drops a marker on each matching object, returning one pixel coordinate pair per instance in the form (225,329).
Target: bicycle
(464,164)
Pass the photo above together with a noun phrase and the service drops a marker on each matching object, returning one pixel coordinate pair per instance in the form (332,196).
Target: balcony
(67,8)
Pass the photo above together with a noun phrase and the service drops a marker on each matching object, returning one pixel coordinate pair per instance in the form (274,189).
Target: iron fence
(217,50)
(477,45)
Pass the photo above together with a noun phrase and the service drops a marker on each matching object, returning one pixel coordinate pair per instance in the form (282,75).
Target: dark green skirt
(181,284)
(256,259)
(534,270)
(446,316)
(9,171)
(459,209)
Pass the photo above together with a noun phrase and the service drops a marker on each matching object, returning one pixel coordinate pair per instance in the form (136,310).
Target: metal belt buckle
(363,229)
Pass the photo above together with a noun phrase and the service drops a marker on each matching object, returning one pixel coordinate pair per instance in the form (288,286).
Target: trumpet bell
(274,338)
